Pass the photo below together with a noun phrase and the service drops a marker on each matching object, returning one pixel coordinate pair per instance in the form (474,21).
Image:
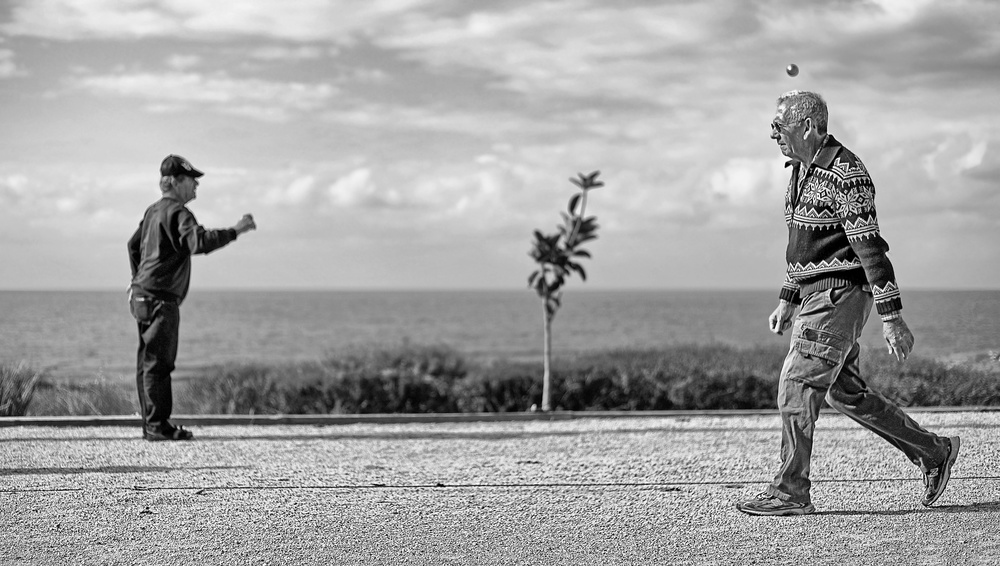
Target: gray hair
(801,104)
(167,183)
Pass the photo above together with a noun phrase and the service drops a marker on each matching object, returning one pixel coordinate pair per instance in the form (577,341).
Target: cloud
(7,66)
(933,176)
(486,122)
(299,191)
(183,62)
(13,189)
(667,54)
(285,53)
(356,188)
(379,200)
(656,53)
(254,98)
(536,48)
(898,46)
(988,168)
(299,20)
(745,192)
(103,204)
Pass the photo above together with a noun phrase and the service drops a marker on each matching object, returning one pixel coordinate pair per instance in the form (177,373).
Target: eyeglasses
(778,127)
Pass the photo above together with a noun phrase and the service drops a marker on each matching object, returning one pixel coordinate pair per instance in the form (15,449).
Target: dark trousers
(159,325)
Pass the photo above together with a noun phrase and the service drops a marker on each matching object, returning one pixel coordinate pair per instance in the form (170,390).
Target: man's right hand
(781,319)
(245,224)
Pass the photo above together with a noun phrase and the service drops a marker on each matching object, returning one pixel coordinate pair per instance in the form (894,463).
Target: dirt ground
(643,490)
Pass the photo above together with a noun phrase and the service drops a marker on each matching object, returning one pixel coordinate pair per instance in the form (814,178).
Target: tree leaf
(573,202)
(541,286)
(581,253)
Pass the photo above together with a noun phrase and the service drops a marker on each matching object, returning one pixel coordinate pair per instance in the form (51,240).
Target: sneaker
(177,433)
(937,479)
(764,504)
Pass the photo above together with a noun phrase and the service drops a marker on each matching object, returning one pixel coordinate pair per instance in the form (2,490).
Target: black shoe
(177,433)
(935,480)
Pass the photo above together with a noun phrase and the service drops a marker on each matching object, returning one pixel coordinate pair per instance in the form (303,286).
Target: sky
(417,144)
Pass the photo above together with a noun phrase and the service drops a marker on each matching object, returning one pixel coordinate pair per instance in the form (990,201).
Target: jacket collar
(826,154)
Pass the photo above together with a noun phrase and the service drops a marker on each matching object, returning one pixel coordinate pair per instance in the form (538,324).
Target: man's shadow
(982,507)
(104,470)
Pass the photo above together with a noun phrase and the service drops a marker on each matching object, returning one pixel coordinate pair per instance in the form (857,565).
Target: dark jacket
(160,249)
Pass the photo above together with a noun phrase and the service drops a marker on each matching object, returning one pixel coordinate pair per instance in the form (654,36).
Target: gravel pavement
(633,490)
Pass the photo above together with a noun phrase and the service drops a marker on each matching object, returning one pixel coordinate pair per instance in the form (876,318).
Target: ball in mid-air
(792,70)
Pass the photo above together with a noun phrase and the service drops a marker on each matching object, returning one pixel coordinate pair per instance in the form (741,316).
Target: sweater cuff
(889,316)
(790,295)
(888,306)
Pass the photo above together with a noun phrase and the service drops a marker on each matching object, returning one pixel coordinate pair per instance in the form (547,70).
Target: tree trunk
(546,359)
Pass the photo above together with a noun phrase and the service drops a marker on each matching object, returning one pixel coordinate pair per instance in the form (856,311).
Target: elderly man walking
(837,269)
(160,255)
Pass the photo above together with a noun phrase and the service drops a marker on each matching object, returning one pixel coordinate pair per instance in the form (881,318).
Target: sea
(90,334)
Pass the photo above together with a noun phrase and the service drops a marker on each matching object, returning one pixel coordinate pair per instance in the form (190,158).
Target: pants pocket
(142,309)
(816,356)
(836,294)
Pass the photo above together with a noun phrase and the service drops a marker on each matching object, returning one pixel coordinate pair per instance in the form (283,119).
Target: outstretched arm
(198,240)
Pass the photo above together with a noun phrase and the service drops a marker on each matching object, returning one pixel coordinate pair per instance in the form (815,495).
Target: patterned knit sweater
(833,234)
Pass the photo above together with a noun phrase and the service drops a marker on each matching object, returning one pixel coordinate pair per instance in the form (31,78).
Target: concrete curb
(412,418)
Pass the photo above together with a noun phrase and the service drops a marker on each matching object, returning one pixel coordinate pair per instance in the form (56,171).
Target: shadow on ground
(984,507)
(105,470)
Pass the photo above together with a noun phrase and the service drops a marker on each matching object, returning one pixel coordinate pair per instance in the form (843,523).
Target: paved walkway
(643,490)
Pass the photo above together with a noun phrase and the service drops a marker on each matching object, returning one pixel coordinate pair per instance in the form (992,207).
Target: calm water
(84,333)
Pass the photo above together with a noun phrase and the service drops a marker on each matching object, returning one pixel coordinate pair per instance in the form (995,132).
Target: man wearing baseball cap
(160,253)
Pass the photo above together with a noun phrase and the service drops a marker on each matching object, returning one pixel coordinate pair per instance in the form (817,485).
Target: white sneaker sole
(777,512)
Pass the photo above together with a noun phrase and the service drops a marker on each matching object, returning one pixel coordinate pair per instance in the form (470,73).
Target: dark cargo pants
(822,362)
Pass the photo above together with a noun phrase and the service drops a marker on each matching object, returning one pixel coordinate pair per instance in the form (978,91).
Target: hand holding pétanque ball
(245,224)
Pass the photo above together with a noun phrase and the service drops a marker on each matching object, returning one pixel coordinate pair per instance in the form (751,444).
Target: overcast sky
(416,144)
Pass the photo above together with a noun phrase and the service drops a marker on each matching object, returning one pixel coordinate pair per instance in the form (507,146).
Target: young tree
(557,255)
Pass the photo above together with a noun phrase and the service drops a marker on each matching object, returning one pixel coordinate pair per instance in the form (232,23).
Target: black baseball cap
(174,165)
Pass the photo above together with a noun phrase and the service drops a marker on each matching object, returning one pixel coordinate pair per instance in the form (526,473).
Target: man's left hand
(898,337)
